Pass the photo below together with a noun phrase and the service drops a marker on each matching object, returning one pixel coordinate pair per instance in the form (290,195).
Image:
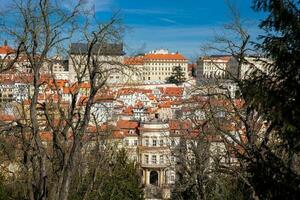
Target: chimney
(5,42)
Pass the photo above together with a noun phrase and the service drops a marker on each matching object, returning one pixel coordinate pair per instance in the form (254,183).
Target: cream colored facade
(254,63)
(109,66)
(215,67)
(158,66)
(155,158)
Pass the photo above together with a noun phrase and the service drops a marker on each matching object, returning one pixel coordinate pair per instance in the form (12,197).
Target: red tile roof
(177,125)
(176,56)
(7,118)
(6,50)
(173,91)
(127,124)
(134,61)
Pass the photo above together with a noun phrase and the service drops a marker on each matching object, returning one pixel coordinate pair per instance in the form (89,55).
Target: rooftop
(99,49)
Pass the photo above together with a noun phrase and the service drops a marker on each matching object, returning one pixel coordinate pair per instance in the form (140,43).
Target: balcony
(155,165)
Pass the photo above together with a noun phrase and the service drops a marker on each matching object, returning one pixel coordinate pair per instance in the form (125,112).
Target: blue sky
(178,25)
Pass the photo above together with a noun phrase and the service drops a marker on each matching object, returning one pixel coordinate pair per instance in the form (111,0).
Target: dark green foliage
(273,168)
(194,72)
(118,178)
(177,76)
(122,182)
(277,95)
(224,187)
(3,193)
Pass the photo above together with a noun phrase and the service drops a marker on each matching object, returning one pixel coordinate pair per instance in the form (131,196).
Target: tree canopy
(177,76)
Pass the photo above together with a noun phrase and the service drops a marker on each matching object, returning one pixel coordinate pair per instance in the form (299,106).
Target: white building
(109,59)
(213,66)
(156,66)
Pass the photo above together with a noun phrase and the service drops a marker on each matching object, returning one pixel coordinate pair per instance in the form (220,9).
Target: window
(153,159)
(161,142)
(172,159)
(126,142)
(172,178)
(154,142)
(135,142)
(161,159)
(173,143)
(147,142)
(146,159)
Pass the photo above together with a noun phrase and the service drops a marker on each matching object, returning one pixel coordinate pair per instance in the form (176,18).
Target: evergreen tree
(177,76)
(123,180)
(274,169)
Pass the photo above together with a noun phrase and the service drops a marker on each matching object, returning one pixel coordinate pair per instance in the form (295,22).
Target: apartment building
(226,67)
(215,66)
(109,59)
(156,66)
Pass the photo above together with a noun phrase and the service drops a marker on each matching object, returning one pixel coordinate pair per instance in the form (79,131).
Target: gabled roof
(99,49)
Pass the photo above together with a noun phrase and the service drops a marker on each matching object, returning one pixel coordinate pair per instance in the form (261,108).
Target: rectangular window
(126,142)
(154,142)
(161,159)
(147,142)
(172,178)
(135,142)
(146,159)
(173,143)
(161,143)
(172,159)
(153,159)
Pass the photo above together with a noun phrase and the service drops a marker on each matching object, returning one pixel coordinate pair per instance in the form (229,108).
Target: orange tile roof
(117,134)
(166,104)
(151,97)
(7,118)
(138,104)
(127,91)
(6,50)
(95,129)
(134,61)
(176,124)
(127,111)
(127,124)
(176,56)
(173,91)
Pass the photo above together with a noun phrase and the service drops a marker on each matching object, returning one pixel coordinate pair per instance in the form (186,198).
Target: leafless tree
(50,134)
